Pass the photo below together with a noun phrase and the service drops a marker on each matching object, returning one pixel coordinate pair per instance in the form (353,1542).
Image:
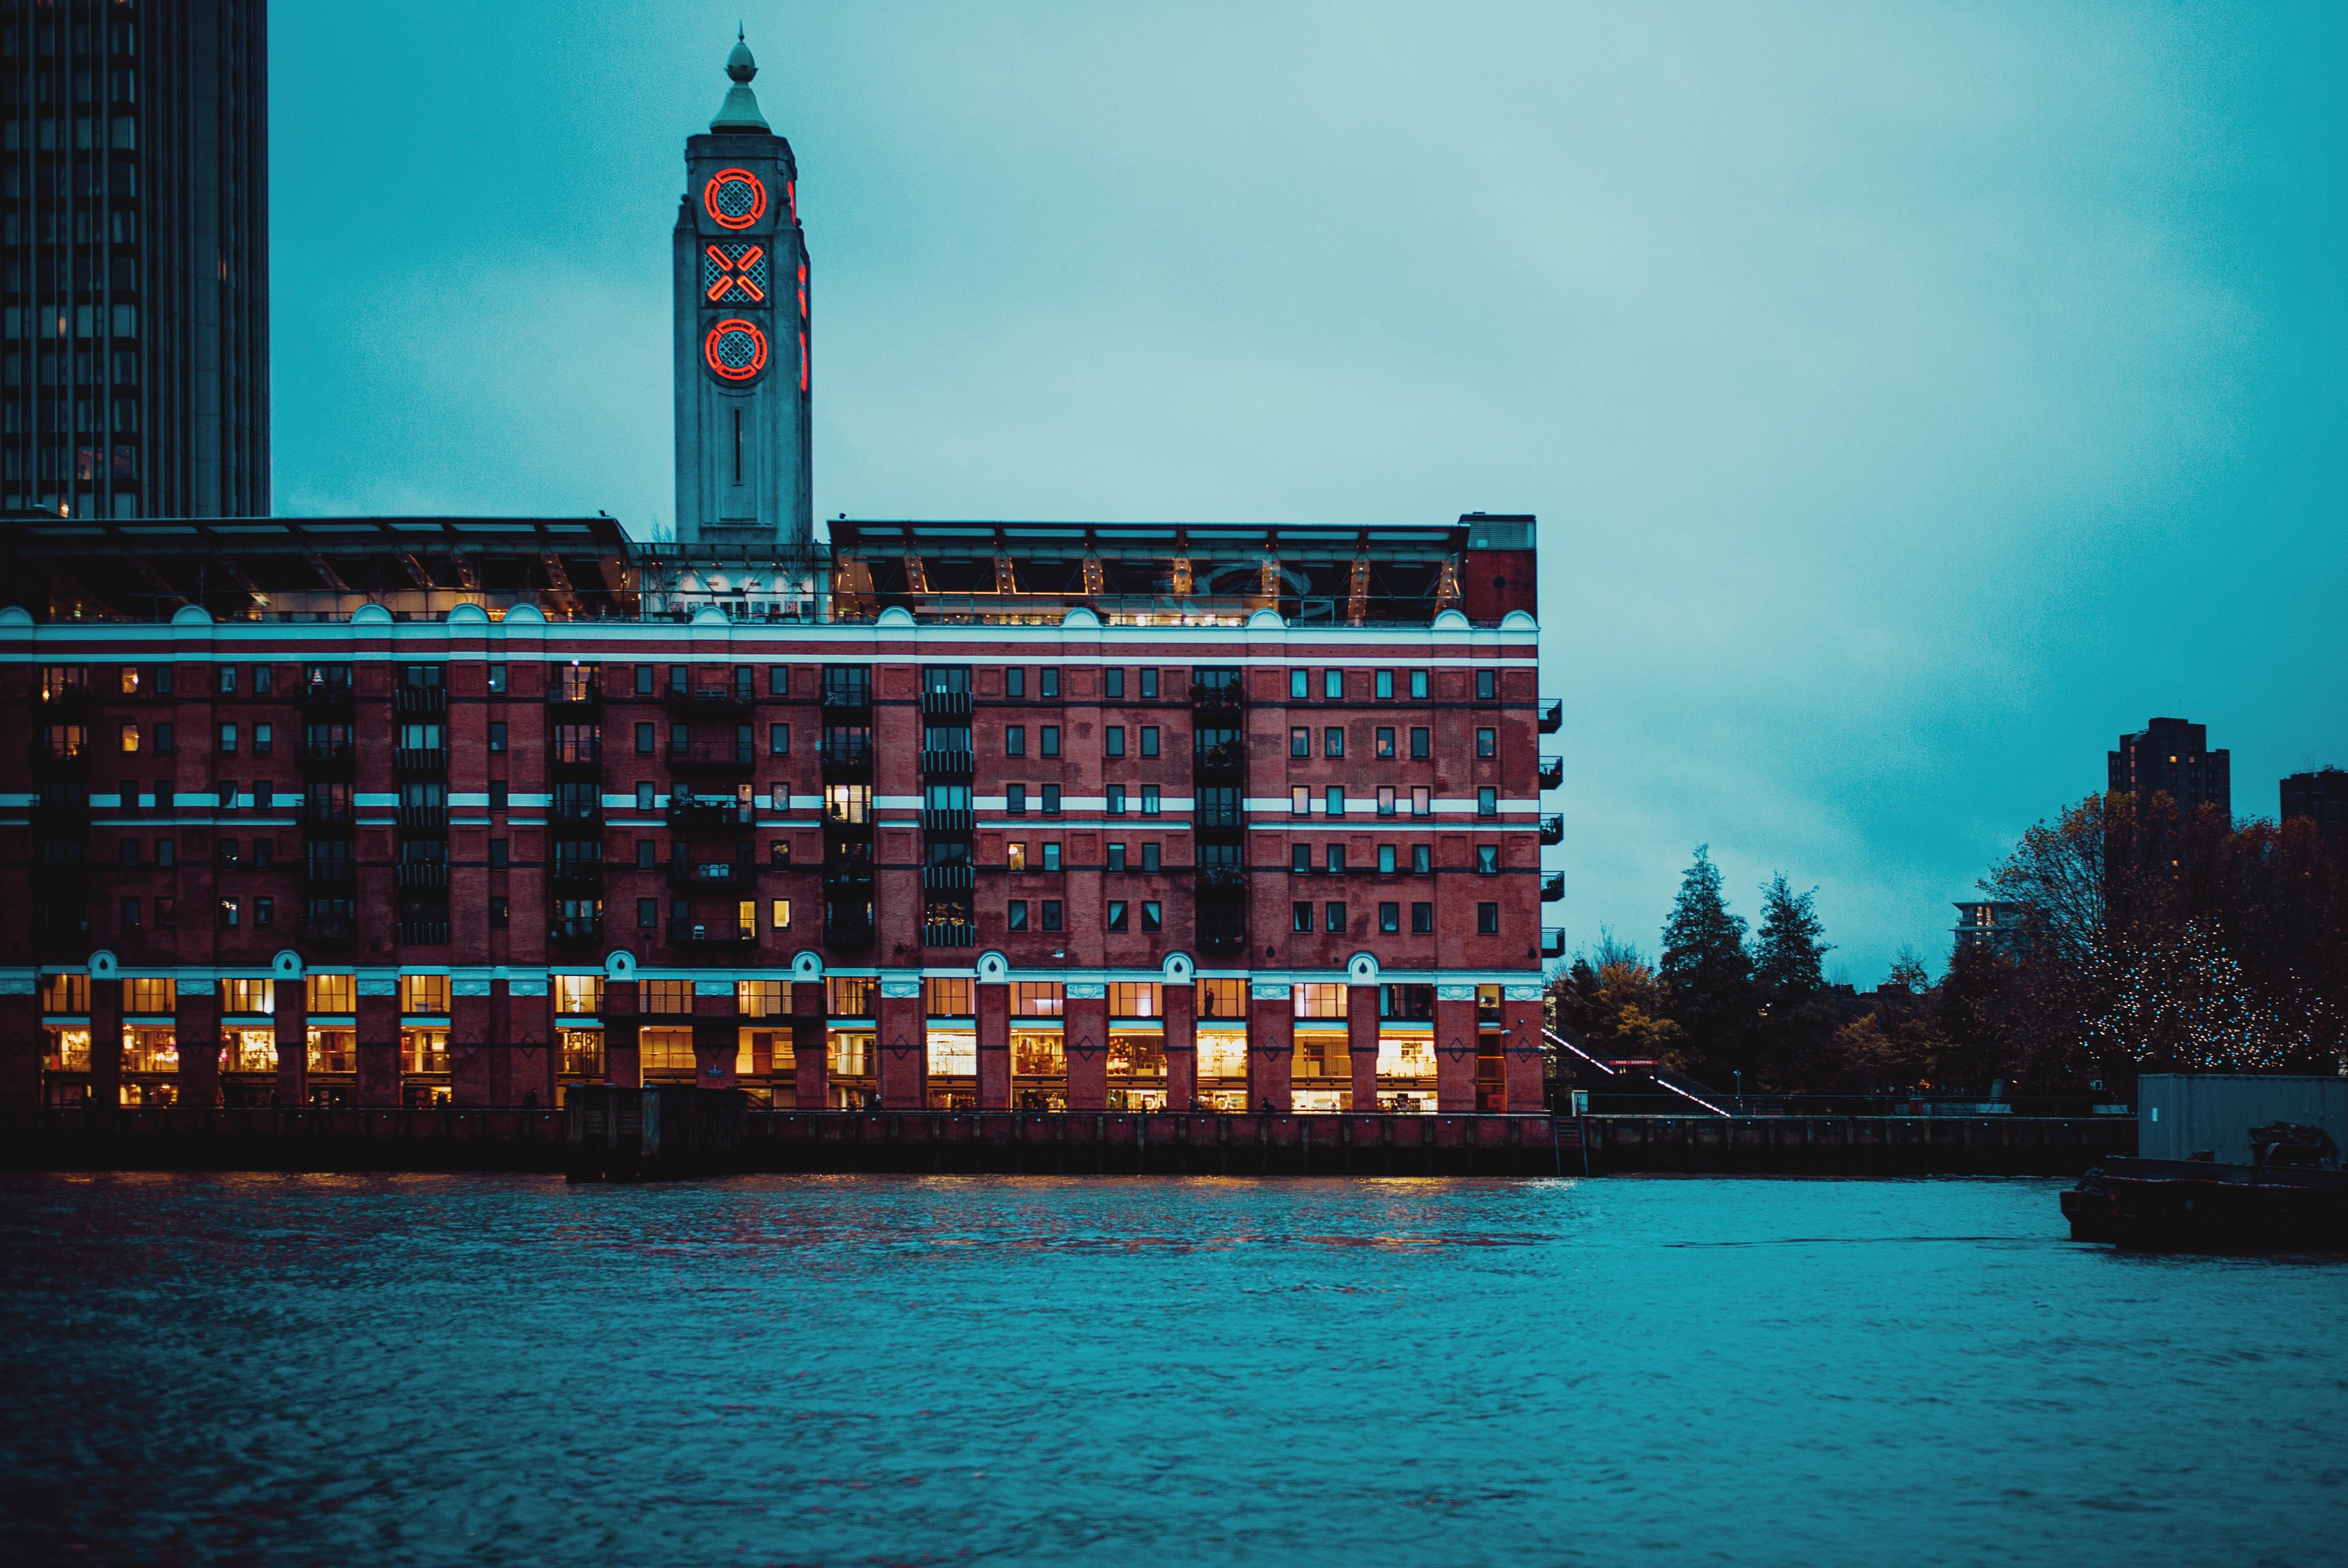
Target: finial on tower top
(739,112)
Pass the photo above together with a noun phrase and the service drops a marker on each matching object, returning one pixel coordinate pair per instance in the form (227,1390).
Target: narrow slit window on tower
(738,446)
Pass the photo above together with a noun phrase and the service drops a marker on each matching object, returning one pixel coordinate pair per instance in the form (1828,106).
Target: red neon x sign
(732,269)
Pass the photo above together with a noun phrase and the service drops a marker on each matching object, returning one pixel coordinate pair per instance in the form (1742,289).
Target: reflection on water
(894,1369)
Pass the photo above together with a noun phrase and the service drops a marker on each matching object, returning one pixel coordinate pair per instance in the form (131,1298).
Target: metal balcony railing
(847,932)
(407,700)
(422,874)
(1552,886)
(1552,829)
(589,695)
(847,697)
(709,933)
(328,930)
(688,814)
(722,875)
(947,764)
(576,758)
(1553,716)
(948,879)
(424,818)
(1552,941)
(950,934)
(575,933)
(329,758)
(850,757)
(420,760)
(1552,771)
(321,699)
(572,878)
(1219,878)
(948,821)
(1217,698)
(576,808)
(1223,757)
(945,704)
(328,874)
(740,757)
(707,700)
(424,933)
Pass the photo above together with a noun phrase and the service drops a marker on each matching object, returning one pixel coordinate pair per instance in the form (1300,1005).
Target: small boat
(2292,1197)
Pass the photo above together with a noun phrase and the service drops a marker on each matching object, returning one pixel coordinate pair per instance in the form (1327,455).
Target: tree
(1796,1029)
(1908,973)
(1706,975)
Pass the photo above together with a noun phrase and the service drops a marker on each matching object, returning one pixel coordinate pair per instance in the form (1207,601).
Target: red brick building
(389,811)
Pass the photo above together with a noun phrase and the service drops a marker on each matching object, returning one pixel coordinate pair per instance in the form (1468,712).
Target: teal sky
(1913,397)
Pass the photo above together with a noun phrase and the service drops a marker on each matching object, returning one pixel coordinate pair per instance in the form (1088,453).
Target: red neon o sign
(734,350)
(733,199)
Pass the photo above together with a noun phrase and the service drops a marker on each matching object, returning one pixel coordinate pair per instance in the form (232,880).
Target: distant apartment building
(2172,757)
(2322,796)
(1994,926)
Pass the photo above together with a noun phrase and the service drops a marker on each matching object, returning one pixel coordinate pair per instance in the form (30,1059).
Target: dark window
(1332,685)
(264,852)
(1300,916)
(264,911)
(1335,860)
(164,739)
(1051,740)
(1149,800)
(1487,801)
(1337,918)
(648,854)
(500,914)
(1487,685)
(1422,860)
(167,914)
(1386,743)
(645,743)
(1488,859)
(1015,800)
(779,679)
(228,679)
(130,914)
(778,853)
(1014,682)
(1113,684)
(1335,798)
(1117,800)
(1051,800)
(1014,740)
(497,855)
(643,680)
(680,737)
(131,854)
(778,739)
(1148,739)
(496,737)
(1148,687)
(263,684)
(1153,916)
(1422,918)
(499,794)
(1300,858)
(1487,919)
(1385,686)
(164,851)
(1333,740)
(1016,915)
(647,914)
(1117,857)
(644,795)
(1048,685)
(1300,742)
(1113,741)
(1051,857)
(1418,685)
(1418,748)
(265,739)
(1390,916)
(1488,743)
(1117,914)
(1051,914)
(1149,857)
(680,677)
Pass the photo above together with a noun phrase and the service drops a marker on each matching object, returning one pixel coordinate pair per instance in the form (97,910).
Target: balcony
(570,701)
(424,818)
(846,756)
(419,700)
(73,762)
(424,933)
(328,930)
(1553,716)
(1221,878)
(64,704)
(1552,771)
(948,821)
(421,873)
(847,932)
(1225,759)
(717,876)
(947,764)
(410,761)
(575,878)
(709,934)
(575,934)
(1223,938)
(950,934)
(330,759)
(713,761)
(576,808)
(1552,886)
(61,813)
(327,818)
(951,878)
(326,699)
(687,815)
(1552,941)
(1217,698)
(945,704)
(708,699)
(1208,813)
(1552,829)
(847,697)
(575,761)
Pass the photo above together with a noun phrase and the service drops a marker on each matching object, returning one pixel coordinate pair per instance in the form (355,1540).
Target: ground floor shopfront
(982,1040)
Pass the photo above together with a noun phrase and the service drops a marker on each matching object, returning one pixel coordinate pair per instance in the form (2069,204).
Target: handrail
(1664,1076)
(1556,1039)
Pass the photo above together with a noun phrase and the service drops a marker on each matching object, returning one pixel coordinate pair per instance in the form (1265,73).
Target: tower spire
(739,112)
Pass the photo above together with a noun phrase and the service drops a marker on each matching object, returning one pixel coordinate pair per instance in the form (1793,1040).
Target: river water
(882,1370)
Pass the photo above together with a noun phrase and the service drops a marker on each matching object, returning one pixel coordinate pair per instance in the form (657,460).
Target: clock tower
(743,474)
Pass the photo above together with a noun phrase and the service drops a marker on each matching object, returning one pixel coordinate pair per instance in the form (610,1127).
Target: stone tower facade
(743,471)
